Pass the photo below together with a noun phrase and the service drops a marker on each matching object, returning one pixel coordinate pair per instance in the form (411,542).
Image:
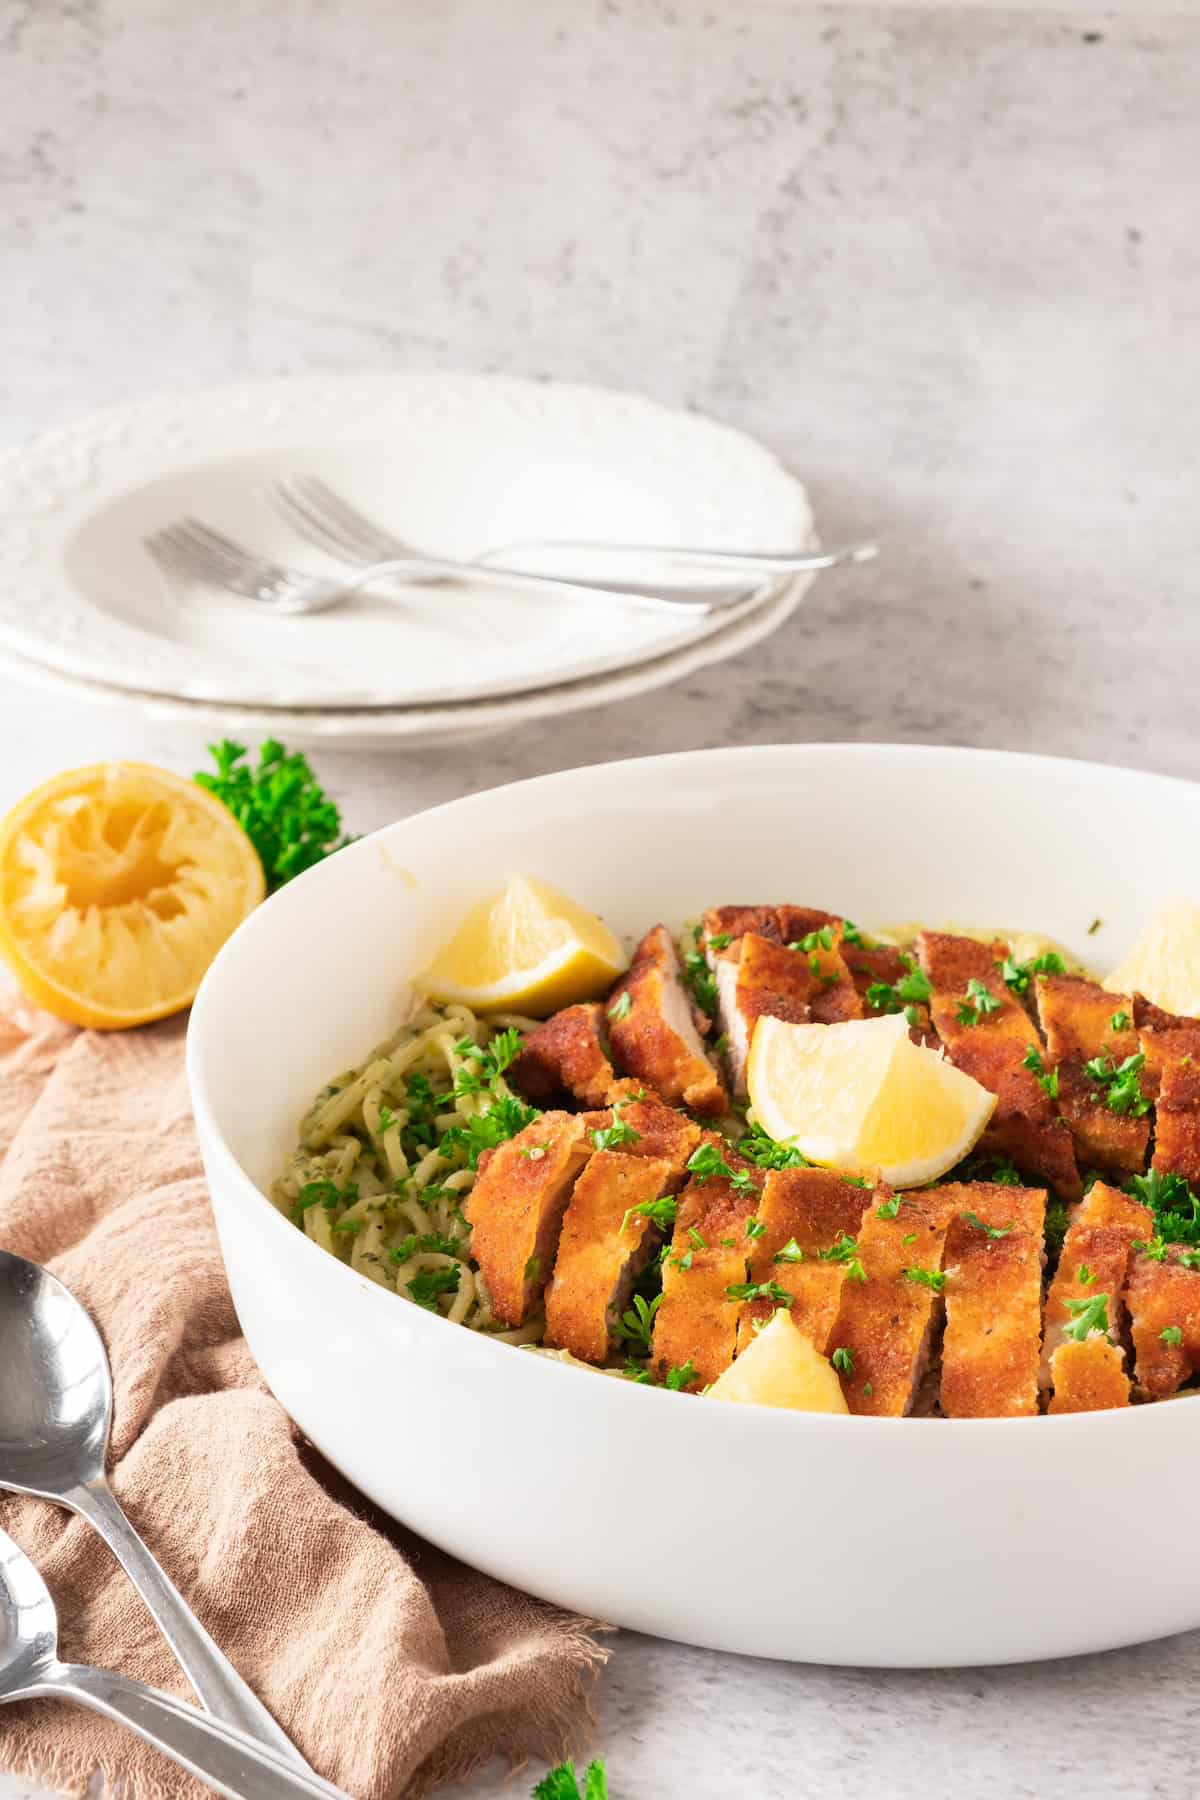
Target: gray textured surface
(945,262)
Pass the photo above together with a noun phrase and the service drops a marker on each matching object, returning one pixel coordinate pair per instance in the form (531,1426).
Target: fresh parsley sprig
(914,988)
(1017,975)
(280,805)
(1175,1207)
(977,1003)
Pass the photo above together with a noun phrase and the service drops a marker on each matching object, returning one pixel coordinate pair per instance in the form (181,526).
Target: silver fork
(192,551)
(328,520)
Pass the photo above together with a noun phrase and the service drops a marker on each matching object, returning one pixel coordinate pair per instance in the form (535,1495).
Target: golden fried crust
(1077,1018)
(733,922)
(1094,1260)
(565,1057)
(1164,1296)
(773,982)
(1106,1205)
(516,1209)
(993,1302)
(661,1131)
(885,1321)
(810,1210)
(1164,1038)
(602,1250)
(1177,1119)
(1088,1377)
(1026,1125)
(696,1320)
(657,1039)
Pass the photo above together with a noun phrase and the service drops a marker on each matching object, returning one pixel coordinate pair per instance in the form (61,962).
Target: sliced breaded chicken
(604,1246)
(697,1316)
(1088,1376)
(804,1213)
(989,1035)
(1094,1262)
(759,978)
(993,1267)
(1163,1297)
(516,1209)
(1090,1031)
(566,1058)
(886,1319)
(649,1128)
(655,1035)
(1170,1044)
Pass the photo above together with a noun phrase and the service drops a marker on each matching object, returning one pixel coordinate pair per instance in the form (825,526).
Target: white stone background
(944,260)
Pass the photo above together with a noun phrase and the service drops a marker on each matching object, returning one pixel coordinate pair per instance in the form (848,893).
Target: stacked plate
(457,464)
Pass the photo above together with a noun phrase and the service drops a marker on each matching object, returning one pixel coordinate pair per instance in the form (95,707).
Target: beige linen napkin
(392,1667)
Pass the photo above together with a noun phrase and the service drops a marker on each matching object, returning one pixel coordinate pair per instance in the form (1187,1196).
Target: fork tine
(339,515)
(249,561)
(190,549)
(310,525)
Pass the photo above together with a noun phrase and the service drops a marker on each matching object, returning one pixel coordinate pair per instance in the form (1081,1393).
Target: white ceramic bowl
(839,1540)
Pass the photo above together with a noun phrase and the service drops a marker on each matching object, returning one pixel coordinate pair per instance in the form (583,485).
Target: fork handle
(763,561)
(220,1688)
(685,602)
(225,1759)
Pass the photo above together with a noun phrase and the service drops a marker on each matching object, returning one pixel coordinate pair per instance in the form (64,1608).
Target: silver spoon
(55,1417)
(227,1760)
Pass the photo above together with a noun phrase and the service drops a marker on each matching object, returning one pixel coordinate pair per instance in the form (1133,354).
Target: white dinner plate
(399,728)
(455,463)
(893,1542)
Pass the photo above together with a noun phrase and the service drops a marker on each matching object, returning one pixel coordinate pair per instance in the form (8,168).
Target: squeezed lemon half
(526,949)
(862,1095)
(118,885)
(1164,964)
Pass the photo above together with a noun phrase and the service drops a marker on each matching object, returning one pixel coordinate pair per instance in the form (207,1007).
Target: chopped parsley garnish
(991,1231)
(765,1153)
(323,1193)
(425,1241)
(1087,1316)
(1017,975)
(429,1283)
(502,1120)
(1119,1021)
(635,1326)
(706,1161)
(683,1263)
(755,1228)
(1048,1083)
(387,1119)
(701,981)
(845,1251)
(821,939)
(890,1209)
(636,1371)
(852,935)
(843,1361)
(914,988)
(1171,1334)
(1122,1089)
(534,1152)
(977,1003)
(611,1137)
(679,1378)
(696,1239)
(279,804)
(349,1226)
(487,1063)
(659,1212)
(1056,1227)
(909,1238)
(1084,1275)
(1175,1207)
(1094,927)
(533,1268)
(868,1390)
(620,1008)
(930,1278)
(1154,1249)
(789,1253)
(720,940)
(760,1290)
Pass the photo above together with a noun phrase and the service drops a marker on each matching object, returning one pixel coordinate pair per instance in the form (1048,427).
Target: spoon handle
(220,1688)
(229,1761)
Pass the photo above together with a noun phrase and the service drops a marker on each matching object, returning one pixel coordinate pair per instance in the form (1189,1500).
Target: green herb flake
(1087,1316)
(1119,1021)
(659,1212)
(977,1003)
(1172,1335)
(889,1209)
(760,1290)
(428,1284)
(635,1326)
(789,1253)
(679,1378)
(620,1008)
(930,1278)
(990,1231)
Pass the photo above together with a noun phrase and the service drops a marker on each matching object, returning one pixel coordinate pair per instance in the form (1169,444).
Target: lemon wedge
(526,949)
(118,885)
(1164,963)
(862,1095)
(781,1367)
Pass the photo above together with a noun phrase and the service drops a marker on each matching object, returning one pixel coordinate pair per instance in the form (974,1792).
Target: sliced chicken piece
(604,1247)
(566,1058)
(1094,1261)
(698,1315)
(804,1213)
(1164,1314)
(993,1267)
(1163,1038)
(1082,1023)
(656,1036)
(991,1045)
(657,1130)
(758,978)
(1171,1075)
(516,1209)
(890,1303)
(1089,1377)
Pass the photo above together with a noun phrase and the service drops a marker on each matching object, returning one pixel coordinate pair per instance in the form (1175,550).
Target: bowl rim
(754,1419)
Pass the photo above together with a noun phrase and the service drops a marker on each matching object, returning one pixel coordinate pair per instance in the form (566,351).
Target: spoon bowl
(56,1397)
